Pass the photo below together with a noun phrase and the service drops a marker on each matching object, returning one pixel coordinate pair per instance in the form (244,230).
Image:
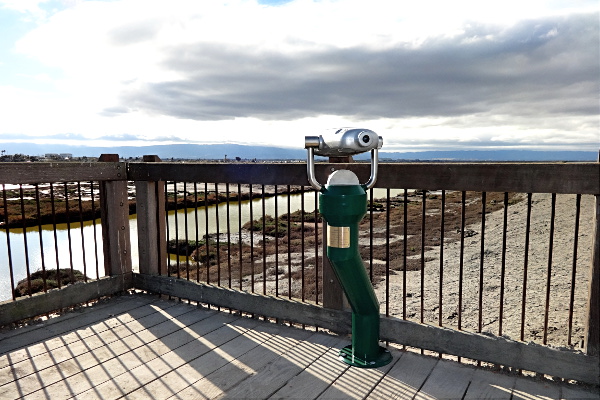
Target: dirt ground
(561,269)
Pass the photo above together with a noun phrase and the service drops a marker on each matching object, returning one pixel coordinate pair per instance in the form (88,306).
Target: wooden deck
(140,347)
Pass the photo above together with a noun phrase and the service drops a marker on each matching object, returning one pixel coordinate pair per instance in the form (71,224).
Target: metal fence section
(252,237)
(51,236)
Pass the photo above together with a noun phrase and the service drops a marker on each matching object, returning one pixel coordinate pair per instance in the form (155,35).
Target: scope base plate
(383,358)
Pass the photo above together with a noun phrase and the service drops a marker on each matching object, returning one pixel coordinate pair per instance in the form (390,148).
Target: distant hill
(218,152)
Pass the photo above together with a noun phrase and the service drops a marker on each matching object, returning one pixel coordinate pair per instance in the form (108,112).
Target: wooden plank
(356,383)
(190,373)
(14,173)
(78,343)
(207,336)
(529,388)
(103,364)
(42,303)
(275,375)
(448,380)
(575,393)
(592,328)
(267,173)
(229,376)
(151,227)
(497,350)
(67,315)
(317,377)
(39,341)
(490,385)
(493,349)
(151,224)
(276,307)
(405,378)
(107,353)
(116,243)
(581,178)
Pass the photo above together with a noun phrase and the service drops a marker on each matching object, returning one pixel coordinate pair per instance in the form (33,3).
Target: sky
(424,75)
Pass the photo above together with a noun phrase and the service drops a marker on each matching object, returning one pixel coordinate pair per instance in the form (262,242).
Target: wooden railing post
(152,241)
(592,329)
(114,207)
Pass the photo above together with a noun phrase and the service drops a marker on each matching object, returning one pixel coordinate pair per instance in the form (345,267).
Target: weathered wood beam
(15,173)
(151,224)
(581,178)
(114,208)
(497,350)
(42,303)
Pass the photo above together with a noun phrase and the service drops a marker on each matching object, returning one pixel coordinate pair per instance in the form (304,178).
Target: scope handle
(310,168)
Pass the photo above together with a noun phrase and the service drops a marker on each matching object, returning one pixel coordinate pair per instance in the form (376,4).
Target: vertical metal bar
(167,226)
(503,267)
(206,236)
(316,247)
(39,224)
(228,227)
(94,229)
(525,266)
(481,262)
(52,202)
(549,277)
(218,234)
(289,241)
(404,257)
(302,245)
(25,239)
(574,269)
(276,246)
(423,214)
(441,288)
(68,228)
(388,207)
(177,249)
(82,230)
(264,241)
(240,241)
(197,245)
(8,247)
(461,264)
(251,238)
(186,235)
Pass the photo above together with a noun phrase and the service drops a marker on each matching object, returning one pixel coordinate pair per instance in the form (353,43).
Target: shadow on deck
(139,346)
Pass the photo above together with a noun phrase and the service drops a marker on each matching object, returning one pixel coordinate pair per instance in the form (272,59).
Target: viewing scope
(343,142)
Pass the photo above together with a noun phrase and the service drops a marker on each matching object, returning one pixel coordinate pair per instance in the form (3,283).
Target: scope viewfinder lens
(366,138)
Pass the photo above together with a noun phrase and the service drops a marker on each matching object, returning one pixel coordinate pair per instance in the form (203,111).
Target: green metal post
(343,206)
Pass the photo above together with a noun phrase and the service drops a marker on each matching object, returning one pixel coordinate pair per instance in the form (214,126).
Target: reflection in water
(82,248)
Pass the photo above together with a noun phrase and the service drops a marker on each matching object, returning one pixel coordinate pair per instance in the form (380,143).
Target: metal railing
(471,249)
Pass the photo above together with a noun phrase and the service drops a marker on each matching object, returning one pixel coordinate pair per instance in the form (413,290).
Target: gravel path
(537,275)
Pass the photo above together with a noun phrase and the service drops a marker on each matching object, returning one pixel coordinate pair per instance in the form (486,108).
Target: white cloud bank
(436,74)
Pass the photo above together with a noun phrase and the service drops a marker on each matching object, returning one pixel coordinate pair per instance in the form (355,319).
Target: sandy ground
(537,275)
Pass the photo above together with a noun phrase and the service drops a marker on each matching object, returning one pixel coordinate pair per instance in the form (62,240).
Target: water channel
(79,246)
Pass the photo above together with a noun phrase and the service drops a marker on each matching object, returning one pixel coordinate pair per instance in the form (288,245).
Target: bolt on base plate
(383,358)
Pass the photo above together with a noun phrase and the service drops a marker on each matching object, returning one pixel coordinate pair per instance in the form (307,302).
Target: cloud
(485,72)
(532,69)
